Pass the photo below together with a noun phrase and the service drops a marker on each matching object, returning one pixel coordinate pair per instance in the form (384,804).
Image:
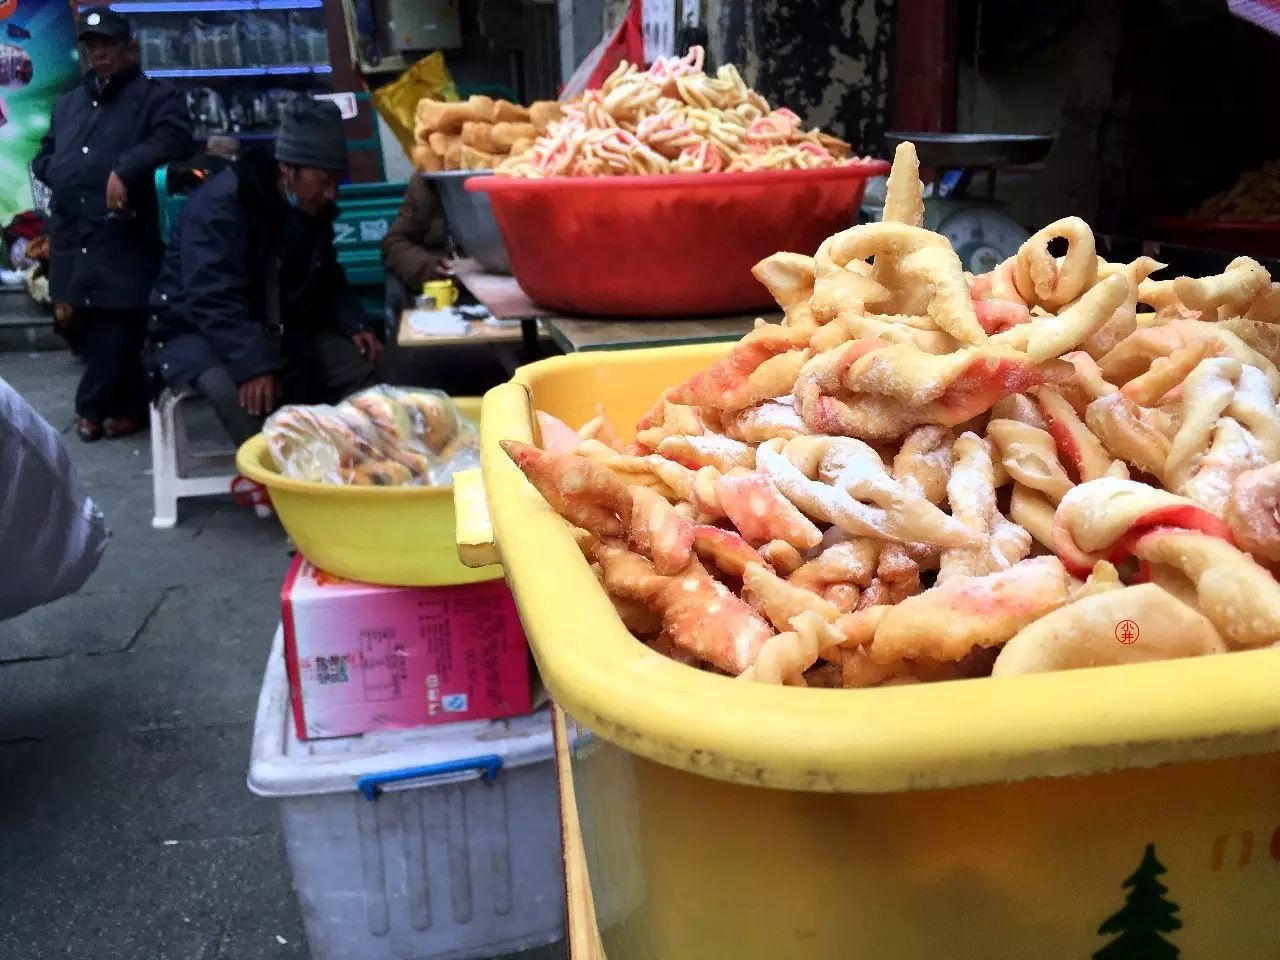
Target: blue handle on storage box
(371,784)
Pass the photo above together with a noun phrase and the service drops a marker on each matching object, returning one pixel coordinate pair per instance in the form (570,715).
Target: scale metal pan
(975,150)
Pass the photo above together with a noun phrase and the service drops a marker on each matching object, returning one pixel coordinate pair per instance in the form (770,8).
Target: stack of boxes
(364,658)
(396,729)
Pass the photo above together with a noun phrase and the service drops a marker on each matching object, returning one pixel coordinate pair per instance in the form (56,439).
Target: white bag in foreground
(51,534)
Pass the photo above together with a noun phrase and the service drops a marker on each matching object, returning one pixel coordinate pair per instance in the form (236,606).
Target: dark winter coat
(411,250)
(244,274)
(131,126)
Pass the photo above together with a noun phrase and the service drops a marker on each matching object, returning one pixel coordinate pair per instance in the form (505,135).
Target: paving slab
(166,856)
(126,714)
(90,622)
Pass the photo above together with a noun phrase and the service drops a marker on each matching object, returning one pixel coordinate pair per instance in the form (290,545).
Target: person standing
(106,138)
(251,306)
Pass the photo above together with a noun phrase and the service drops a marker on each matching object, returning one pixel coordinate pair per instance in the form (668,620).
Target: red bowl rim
(858,170)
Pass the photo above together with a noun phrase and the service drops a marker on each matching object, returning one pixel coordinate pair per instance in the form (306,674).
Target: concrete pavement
(126,711)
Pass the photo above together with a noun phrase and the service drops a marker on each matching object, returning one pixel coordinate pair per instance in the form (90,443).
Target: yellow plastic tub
(975,820)
(399,536)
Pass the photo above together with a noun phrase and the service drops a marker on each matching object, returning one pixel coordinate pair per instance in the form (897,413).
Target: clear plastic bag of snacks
(215,45)
(310,43)
(264,39)
(208,111)
(160,47)
(382,437)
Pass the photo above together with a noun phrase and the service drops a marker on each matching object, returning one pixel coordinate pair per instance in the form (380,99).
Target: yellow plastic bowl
(974,820)
(398,536)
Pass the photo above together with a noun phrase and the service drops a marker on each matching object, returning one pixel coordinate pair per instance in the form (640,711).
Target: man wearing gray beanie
(252,307)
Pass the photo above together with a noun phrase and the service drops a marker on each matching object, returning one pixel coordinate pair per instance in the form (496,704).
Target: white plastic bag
(51,534)
(383,437)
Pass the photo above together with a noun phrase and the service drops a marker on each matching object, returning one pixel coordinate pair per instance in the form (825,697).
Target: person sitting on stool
(252,306)
(412,250)
(105,140)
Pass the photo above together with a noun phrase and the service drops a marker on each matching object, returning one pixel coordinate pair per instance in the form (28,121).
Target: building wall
(1064,88)
(828,61)
(1195,106)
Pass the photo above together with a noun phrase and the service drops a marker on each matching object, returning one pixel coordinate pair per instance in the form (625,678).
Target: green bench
(366,212)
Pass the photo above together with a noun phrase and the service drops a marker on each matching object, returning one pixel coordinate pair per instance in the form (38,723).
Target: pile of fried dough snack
(478,133)
(924,475)
(673,118)
(1254,196)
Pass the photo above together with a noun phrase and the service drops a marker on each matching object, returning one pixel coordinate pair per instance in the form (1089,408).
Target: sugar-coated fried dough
(919,475)
(1129,432)
(779,600)
(658,532)
(1239,597)
(1031,457)
(1045,338)
(1042,279)
(1253,512)
(904,193)
(972,496)
(1101,520)
(1084,633)
(1232,289)
(580,490)
(756,506)
(556,436)
(724,384)
(844,482)
(947,622)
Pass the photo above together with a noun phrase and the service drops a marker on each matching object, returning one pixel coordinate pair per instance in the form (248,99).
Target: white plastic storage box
(441,842)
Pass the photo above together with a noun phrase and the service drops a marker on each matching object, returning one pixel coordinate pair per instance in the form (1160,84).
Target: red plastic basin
(666,246)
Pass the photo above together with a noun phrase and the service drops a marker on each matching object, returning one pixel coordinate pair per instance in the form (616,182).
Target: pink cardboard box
(362,658)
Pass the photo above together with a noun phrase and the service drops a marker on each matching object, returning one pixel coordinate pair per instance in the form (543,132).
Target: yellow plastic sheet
(397,102)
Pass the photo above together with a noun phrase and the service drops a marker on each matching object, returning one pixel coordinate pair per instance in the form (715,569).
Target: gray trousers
(320,367)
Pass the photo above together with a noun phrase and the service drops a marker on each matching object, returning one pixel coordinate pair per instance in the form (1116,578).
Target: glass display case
(238,61)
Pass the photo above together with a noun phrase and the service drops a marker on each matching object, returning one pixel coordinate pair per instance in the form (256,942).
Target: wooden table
(503,297)
(478,332)
(579,336)
(510,341)
(583,935)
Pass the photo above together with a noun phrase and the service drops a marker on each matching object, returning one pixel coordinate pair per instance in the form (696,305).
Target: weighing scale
(980,230)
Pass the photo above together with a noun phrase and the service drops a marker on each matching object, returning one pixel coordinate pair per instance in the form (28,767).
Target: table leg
(509,356)
(529,337)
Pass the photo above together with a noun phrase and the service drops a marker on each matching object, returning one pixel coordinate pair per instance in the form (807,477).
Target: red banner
(625,43)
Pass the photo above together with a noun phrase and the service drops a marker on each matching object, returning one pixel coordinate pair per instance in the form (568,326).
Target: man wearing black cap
(105,140)
(251,306)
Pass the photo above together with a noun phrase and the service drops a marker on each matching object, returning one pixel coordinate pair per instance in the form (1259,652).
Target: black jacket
(131,126)
(412,248)
(235,245)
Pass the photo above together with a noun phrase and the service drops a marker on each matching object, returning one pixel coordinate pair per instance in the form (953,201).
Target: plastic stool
(172,463)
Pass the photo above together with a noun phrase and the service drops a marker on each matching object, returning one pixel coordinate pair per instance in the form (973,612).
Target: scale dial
(983,237)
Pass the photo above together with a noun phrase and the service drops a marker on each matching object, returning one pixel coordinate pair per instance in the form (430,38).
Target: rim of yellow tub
(875,740)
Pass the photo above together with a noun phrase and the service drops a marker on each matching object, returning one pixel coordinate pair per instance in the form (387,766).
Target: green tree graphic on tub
(1144,918)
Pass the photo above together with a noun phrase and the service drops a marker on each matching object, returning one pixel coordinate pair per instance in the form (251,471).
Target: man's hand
(445,267)
(258,396)
(368,344)
(117,196)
